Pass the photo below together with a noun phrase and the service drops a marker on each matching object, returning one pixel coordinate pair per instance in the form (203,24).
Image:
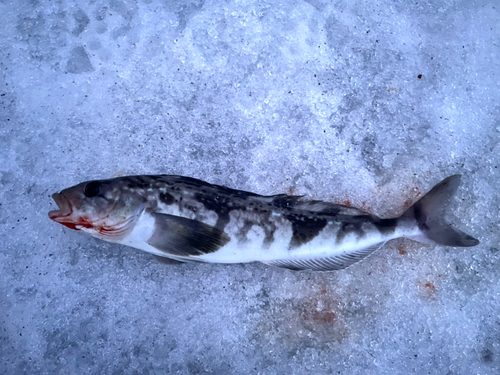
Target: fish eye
(92,189)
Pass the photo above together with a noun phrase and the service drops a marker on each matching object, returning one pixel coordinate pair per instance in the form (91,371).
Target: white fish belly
(141,233)
(323,245)
(253,248)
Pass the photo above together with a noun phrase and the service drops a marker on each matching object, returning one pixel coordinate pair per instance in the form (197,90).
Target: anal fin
(331,263)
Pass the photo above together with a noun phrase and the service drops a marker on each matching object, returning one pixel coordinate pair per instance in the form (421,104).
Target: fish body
(185,219)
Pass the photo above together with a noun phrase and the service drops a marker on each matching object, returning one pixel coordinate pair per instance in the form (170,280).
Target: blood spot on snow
(408,203)
(401,250)
(324,317)
(366,208)
(427,290)
(430,286)
(319,308)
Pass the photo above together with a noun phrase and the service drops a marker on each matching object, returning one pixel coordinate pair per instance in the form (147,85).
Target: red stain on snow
(408,203)
(427,290)
(430,287)
(319,307)
(366,208)
(402,250)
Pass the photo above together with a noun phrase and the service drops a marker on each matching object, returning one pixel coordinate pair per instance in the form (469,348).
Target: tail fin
(429,213)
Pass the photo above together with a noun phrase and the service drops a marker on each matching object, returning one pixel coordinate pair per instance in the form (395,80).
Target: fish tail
(429,214)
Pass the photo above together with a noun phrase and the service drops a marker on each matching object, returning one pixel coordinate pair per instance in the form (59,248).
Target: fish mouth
(64,210)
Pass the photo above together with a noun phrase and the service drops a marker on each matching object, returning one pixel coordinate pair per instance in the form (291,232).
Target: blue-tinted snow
(367,102)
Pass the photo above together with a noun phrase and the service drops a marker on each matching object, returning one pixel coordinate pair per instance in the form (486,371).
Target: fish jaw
(64,207)
(64,215)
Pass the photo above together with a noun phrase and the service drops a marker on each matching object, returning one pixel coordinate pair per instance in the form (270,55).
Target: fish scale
(185,219)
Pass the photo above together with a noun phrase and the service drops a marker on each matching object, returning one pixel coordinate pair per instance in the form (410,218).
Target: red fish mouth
(64,214)
(64,210)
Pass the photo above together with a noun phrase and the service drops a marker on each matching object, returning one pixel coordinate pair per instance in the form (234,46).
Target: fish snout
(64,206)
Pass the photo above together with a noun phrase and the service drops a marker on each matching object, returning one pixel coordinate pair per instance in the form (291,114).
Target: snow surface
(367,102)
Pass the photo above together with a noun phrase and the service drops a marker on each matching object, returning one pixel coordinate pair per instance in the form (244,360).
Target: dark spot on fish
(386,226)
(269,229)
(191,208)
(214,203)
(304,229)
(268,226)
(420,216)
(241,236)
(419,76)
(167,198)
(351,226)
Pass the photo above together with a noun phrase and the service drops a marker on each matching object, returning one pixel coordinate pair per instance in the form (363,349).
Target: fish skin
(186,219)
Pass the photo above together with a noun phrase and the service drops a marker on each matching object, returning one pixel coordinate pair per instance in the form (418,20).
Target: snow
(360,102)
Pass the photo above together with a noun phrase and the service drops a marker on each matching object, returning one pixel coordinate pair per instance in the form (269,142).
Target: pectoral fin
(183,237)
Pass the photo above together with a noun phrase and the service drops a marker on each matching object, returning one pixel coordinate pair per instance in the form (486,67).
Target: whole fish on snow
(184,219)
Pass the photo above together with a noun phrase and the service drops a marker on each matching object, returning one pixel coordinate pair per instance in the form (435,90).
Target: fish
(183,219)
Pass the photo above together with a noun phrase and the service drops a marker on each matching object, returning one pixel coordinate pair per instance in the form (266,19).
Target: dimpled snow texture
(368,104)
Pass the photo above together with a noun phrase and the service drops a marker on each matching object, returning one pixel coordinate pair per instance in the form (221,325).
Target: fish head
(101,208)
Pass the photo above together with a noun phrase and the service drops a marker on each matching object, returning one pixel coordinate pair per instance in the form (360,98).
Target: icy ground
(367,102)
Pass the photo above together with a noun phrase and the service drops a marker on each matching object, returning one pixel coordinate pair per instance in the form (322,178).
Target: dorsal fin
(325,208)
(328,208)
(285,200)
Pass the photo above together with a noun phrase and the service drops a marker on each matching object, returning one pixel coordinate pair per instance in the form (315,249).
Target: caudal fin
(429,214)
